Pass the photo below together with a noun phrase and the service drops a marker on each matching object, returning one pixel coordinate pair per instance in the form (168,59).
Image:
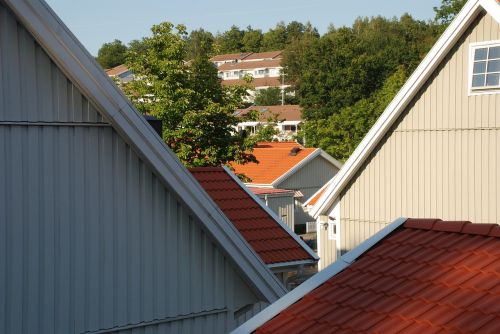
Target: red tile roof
(274,161)
(264,234)
(256,82)
(230,56)
(244,65)
(264,55)
(428,276)
(264,191)
(116,70)
(290,112)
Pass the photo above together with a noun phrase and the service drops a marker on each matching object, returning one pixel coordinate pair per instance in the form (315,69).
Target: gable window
(485,67)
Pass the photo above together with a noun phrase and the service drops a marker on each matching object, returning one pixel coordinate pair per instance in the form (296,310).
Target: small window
(485,67)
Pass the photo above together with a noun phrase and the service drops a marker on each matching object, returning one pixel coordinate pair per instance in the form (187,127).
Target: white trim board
(81,68)
(315,281)
(273,216)
(423,72)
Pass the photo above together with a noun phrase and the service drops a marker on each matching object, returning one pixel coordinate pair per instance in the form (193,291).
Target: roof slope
(243,65)
(427,276)
(81,68)
(291,112)
(423,72)
(274,161)
(256,82)
(268,237)
(264,55)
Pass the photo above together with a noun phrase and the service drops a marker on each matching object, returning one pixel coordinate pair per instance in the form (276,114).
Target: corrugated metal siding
(326,248)
(32,88)
(441,159)
(283,206)
(90,238)
(310,177)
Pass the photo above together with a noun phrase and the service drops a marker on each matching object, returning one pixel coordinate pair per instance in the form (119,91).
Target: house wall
(283,206)
(90,238)
(440,159)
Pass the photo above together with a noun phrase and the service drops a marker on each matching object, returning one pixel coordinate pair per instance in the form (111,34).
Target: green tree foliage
(197,112)
(230,41)
(111,54)
(265,132)
(347,66)
(447,11)
(199,43)
(340,133)
(272,97)
(252,40)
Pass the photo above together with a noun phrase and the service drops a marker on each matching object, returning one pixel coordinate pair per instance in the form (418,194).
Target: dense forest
(343,79)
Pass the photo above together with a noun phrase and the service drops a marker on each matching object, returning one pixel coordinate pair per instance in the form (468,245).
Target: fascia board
(272,214)
(81,68)
(295,168)
(315,281)
(438,52)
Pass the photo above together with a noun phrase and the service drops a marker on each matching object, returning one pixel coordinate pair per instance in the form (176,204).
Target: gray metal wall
(441,159)
(90,238)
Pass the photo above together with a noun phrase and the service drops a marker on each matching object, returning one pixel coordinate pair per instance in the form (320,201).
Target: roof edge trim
(315,281)
(425,69)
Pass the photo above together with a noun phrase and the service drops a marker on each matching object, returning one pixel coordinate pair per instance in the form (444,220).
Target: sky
(96,22)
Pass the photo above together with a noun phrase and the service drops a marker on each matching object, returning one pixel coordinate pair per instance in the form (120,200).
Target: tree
(447,11)
(196,111)
(199,43)
(230,41)
(111,54)
(252,40)
(272,97)
(275,39)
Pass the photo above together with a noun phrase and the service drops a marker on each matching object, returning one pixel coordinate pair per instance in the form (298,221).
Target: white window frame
(480,90)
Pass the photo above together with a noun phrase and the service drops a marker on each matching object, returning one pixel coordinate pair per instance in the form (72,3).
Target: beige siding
(283,206)
(440,159)
(327,249)
(90,238)
(310,177)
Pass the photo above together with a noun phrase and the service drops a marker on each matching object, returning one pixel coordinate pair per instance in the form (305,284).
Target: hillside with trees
(343,79)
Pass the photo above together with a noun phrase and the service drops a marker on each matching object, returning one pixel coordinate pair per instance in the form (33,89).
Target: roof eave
(80,67)
(403,98)
(293,296)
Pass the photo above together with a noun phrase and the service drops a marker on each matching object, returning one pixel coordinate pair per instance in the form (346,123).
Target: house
(102,228)
(263,67)
(121,74)
(280,201)
(277,245)
(434,152)
(289,165)
(413,276)
(287,119)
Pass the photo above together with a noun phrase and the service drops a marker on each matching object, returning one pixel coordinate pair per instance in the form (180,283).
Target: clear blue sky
(96,22)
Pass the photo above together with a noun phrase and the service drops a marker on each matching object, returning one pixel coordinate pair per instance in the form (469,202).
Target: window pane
(478,80)
(494,66)
(494,52)
(480,54)
(492,79)
(480,67)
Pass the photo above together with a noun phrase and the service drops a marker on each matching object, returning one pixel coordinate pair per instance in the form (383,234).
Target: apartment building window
(485,67)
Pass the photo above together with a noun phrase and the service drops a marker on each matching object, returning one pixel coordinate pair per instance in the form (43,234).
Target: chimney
(155,124)
(294,151)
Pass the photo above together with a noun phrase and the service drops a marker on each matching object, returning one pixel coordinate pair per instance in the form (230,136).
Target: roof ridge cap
(455,226)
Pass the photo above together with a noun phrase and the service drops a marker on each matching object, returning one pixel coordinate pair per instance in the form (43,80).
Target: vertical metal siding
(441,159)
(90,238)
(310,177)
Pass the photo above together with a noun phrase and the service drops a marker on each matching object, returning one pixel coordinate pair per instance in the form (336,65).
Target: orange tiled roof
(429,276)
(116,70)
(274,161)
(250,65)
(318,194)
(256,82)
(287,112)
(264,234)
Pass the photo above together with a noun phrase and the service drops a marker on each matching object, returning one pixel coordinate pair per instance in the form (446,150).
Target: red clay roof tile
(265,235)
(449,284)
